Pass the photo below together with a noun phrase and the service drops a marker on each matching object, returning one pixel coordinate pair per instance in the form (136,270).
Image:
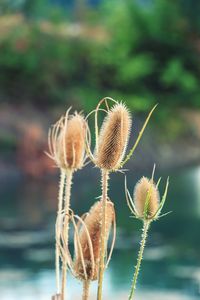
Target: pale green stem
(105,177)
(57,252)
(86,287)
(139,137)
(140,257)
(69,176)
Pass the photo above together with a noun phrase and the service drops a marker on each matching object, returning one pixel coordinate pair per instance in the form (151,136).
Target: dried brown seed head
(146,190)
(93,224)
(113,139)
(67,142)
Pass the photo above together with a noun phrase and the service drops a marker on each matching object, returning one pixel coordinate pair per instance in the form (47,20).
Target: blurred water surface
(171,267)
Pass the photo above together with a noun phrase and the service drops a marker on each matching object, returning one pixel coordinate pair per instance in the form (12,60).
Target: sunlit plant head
(67,142)
(113,138)
(146,198)
(146,203)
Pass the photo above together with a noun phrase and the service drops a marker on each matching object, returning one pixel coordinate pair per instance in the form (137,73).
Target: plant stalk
(58,232)
(105,177)
(86,287)
(140,257)
(67,197)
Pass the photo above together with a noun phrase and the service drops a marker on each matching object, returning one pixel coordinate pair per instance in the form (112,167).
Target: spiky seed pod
(67,142)
(146,190)
(113,138)
(74,143)
(93,224)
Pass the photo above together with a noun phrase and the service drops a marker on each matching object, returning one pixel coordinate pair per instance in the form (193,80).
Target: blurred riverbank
(51,59)
(24,131)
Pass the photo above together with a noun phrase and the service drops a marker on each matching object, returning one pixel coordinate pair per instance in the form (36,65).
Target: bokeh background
(54,54)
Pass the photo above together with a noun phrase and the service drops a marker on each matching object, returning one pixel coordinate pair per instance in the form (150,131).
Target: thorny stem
(86,286)
(67,197)
(139,259)
(105,177)
(58,232)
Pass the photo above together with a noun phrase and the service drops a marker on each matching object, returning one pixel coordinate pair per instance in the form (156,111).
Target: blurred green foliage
(149,54)
(153,52)
(8,142)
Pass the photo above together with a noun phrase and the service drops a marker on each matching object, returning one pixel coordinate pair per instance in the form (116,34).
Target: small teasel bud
(67,142)
(146,198)
(113,138)
(93,224)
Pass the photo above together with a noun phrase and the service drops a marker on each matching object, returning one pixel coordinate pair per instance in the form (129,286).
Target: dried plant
(69,144)
(146,206)
(67,149)
(87,232)
(109,154)
(93,224)
(113,138)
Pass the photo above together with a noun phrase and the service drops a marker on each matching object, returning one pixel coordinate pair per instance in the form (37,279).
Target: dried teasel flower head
(113,138)
(67,141)
(87,267)
(146,198)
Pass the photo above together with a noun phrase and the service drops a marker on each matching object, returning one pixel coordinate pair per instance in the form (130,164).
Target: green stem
(57,252)
(105,177)
(140,257)
(139,137)
(69,176)
(86,286)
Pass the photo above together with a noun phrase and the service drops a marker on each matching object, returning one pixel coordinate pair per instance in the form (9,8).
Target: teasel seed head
(67,142)
(93,224)
(113,138)
(146,198)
